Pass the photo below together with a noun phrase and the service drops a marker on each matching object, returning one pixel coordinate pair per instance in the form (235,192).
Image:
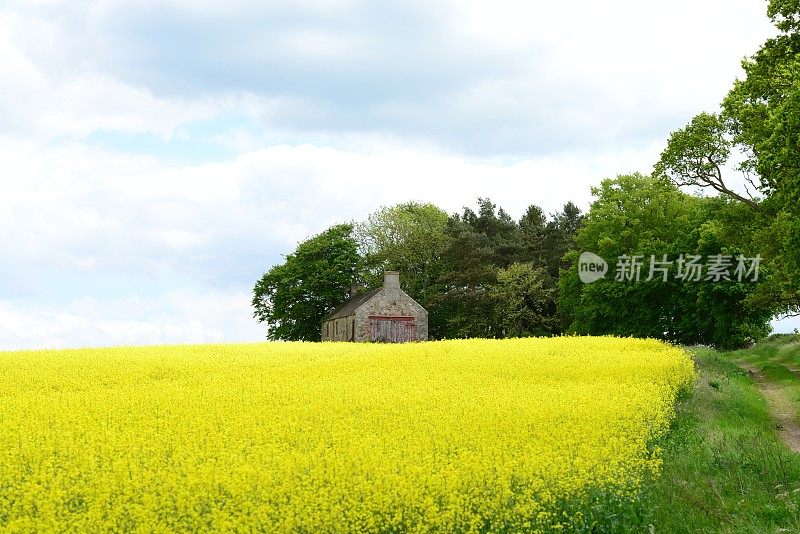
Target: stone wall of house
(339,329)
(392,302)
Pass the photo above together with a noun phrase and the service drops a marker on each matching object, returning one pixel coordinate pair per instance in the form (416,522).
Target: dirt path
(794,370)
(781,407)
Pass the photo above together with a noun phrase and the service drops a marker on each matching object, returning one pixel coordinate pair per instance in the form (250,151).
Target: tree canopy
(649,217)
(499,275)
(293,297)
(478,272)
(760,119)
(408,238)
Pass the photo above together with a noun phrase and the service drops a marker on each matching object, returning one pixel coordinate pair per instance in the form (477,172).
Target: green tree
(560,236)
(479,244)
(293,297)
(408,238)
(524,301)
(761,119)
(463,308)
(763,113)
(763,109)
(696,154)
(648,216)
(498,275)
(533,225)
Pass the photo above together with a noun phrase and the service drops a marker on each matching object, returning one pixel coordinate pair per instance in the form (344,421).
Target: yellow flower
(466,435)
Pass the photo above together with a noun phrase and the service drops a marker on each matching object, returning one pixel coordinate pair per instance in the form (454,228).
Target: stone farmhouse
(386,314)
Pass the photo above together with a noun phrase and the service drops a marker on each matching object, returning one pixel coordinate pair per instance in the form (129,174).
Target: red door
(392,329)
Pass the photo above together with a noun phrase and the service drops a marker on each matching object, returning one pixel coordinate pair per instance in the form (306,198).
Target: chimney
(355,289)
(391,280)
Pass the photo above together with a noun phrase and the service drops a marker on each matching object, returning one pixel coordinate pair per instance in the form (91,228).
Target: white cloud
(318,44)
(43,100)
(179,316)
(513,78)
(90,210)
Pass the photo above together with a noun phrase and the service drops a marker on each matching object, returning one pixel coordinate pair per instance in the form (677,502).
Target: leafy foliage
(524,300)
(696,154)
(408,238)
(647,216)
(293,297)
(498,278)
(761,119)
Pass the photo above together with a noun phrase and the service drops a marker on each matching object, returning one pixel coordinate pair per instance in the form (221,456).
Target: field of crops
(454,435)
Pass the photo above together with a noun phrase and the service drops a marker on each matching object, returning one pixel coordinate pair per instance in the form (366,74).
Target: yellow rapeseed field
(443,436)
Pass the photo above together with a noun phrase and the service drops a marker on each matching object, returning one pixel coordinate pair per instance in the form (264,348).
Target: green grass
(724,469)
(778,349)
(778,358)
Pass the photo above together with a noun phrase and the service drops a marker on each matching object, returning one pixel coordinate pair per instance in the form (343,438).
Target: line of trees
(479,273)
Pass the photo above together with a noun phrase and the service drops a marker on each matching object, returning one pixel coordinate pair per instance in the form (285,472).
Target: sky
(159,156)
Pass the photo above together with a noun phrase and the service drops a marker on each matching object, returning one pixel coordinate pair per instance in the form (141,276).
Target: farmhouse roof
(351,305)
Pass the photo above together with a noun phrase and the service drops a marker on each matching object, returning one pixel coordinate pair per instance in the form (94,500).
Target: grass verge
(724,469)
(778,359)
